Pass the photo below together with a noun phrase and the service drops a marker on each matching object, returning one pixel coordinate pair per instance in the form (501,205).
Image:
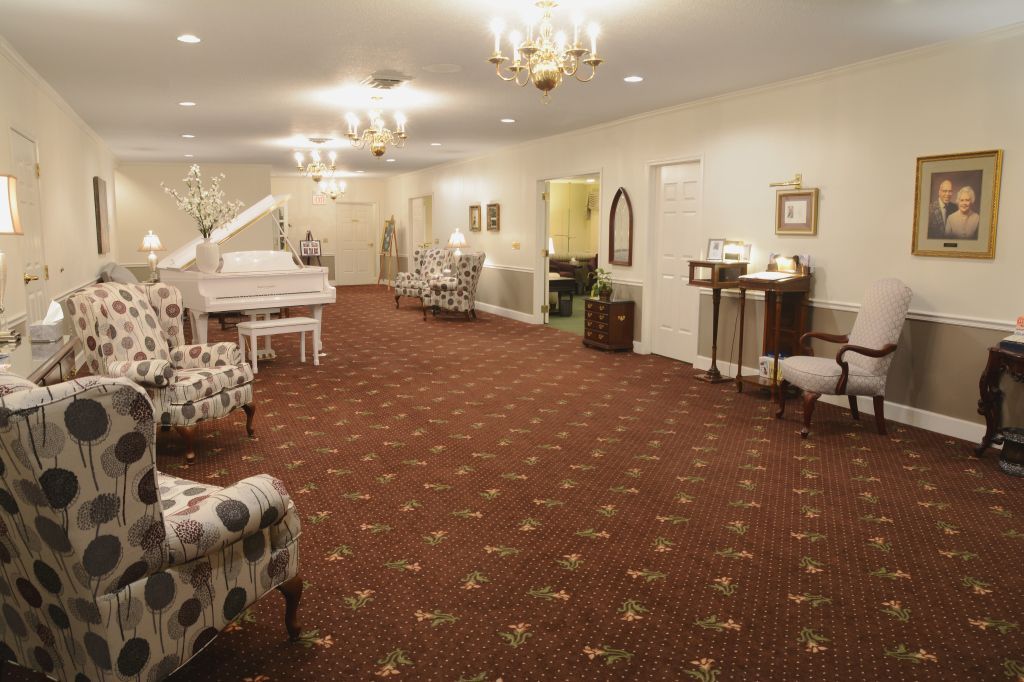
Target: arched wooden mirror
(620,229)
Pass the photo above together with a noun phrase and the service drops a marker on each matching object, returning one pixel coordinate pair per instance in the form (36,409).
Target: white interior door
(677,305)
(33,258)
(355,254)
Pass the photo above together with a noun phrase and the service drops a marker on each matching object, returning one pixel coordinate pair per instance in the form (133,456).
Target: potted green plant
(602,284)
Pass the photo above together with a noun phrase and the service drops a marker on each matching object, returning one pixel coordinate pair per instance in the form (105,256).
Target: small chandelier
(548,57)
(377,137)
(332,188)
(316,170)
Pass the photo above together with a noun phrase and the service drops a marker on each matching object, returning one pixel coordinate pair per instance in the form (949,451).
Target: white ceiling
(269,73)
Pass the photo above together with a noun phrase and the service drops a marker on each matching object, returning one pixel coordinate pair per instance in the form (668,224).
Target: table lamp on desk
(10,223)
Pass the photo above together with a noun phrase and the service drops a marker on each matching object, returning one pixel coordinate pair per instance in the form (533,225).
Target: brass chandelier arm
(593,63)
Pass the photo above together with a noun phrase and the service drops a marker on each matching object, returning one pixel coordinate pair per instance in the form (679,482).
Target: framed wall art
(956,204)
(309,247)
(796,211)
(99,195)
(493,217)
(474,218)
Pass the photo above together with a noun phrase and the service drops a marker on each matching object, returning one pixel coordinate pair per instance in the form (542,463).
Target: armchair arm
(860,350)
(203,355)
(208,523)
(831,338)
(154,373)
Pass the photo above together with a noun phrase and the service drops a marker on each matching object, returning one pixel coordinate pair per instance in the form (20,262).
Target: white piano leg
(318,345)
(200,321)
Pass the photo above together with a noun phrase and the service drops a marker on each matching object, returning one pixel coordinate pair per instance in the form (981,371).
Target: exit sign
(319,199)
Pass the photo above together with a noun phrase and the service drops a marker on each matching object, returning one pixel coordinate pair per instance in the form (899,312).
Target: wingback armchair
(862,364)
(135,331)
(110,568)
(426,264)
(456,292)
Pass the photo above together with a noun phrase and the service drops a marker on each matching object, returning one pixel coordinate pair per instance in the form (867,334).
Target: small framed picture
(493,217)
(474,218)
(956,205)
(796,211)
(309,247)
(716,248)
(746,252)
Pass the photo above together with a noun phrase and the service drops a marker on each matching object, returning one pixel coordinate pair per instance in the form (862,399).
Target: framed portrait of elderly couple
(956,204)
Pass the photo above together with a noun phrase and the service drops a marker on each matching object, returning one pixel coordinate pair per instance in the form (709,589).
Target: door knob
(30,278)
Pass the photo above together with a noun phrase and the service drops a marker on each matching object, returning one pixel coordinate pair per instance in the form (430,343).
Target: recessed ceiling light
(189,156)
(435,144)
(590,180)
(188,38)
(186,104)
(390,160)
(187,136)
(360,171)
(633,79)
(508,120)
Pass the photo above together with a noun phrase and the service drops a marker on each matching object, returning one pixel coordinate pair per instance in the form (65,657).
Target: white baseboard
(507,312)
(904,414)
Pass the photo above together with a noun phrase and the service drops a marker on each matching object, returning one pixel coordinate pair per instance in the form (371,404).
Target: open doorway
(573,218)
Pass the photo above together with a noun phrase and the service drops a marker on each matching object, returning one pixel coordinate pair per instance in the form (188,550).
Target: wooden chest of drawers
(608,325)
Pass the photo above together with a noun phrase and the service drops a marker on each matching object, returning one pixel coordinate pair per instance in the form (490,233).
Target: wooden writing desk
(785,318)
(715,275)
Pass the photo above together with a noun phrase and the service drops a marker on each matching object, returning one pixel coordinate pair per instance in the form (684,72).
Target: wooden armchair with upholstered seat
(861,366)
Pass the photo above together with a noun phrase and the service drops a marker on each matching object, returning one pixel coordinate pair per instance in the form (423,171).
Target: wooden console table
(990,403)
(715,275)
(42,363)
(785,320)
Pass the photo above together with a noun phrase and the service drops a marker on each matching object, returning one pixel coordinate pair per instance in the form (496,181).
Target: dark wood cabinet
(608,325)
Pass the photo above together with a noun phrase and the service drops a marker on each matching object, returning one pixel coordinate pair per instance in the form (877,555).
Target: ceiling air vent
(385,80)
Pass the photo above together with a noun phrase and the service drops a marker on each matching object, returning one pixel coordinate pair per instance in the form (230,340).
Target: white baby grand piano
(247,280)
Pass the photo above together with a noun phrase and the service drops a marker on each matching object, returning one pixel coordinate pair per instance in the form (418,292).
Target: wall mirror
(620,229)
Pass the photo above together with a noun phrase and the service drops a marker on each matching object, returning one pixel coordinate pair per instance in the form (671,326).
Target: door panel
(32,257)
(355,254)
(677,211)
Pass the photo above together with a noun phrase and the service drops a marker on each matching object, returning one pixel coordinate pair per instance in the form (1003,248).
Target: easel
(388,254)
(309,259)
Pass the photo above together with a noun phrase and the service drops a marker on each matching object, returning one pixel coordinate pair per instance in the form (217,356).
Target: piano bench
(286,325)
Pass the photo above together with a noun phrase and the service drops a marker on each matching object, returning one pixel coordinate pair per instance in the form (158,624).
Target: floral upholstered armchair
(457,292)
(862,364)
(134,331)
(111,569)
(426,263)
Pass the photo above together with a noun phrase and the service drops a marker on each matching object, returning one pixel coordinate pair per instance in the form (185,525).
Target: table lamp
(10,223)
(457,241)
(151,243)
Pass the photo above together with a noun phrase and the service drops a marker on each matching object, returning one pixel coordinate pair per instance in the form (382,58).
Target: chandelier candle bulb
(593,30)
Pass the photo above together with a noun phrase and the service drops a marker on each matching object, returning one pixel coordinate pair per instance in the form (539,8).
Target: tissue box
(46,332)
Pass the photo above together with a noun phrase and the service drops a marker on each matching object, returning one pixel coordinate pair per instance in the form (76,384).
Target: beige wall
(70,155)
(320,219)
(854,133)
(143,205)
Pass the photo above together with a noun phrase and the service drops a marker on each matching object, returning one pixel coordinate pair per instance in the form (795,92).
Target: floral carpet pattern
(486,500)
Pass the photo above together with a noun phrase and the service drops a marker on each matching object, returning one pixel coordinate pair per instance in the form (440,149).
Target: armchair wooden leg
(396,300)
(292,591)
(186,435)
(473,311)
(879,401)
(810,398)
(250,412)
(781,399)
(854,410)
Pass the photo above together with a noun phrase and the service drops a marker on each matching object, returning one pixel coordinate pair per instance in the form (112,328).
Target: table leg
(316,346)
(302,346)
(739,352)
(990,402)
(318,313)
(253,339)
(775,334)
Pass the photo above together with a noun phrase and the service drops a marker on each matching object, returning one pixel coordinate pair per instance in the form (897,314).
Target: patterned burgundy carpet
(490,499)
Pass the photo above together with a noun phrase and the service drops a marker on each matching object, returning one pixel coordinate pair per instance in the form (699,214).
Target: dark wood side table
(715,275)
(990,403)
(785,321)
(608,325)
(42,363)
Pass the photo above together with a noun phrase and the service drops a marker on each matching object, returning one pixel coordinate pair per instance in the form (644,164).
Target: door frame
(651,252)
(18,264)
(540,236)
(374,217)
(412,245)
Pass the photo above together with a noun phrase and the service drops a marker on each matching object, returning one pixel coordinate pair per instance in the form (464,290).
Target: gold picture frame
(493,217)
(956,204)
(475,224)
(796,212)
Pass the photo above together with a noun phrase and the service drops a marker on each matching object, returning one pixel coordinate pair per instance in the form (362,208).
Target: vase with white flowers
(207,206)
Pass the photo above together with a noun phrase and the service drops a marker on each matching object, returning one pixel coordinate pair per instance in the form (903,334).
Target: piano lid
(185,255)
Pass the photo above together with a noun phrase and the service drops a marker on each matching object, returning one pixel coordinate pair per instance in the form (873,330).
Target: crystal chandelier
(545,56)
(377,137)
(333,188)
(316,170)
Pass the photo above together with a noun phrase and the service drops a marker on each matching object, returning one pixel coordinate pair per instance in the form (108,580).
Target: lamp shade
(151,242)
(10,223)
(457,240)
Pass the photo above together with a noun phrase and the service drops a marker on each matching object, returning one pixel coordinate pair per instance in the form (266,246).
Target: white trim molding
(904,414)
(507,312)
(513,268)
